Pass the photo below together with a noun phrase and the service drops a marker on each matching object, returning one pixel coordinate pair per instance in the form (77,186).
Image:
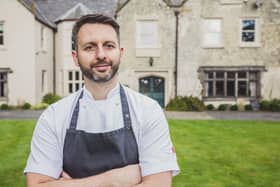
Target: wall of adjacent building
(18,54)
(43,60)
(135,63)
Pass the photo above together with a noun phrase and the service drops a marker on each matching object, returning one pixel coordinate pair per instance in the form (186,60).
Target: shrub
(50,98)
(26,106)
(248,107)
(40,106)
(233,107)
(185,104)
(265,105)
(210,107)
(4,107)
(275,105)
(222,107)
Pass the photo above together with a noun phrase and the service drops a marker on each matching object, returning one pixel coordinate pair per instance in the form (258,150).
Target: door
(153,87)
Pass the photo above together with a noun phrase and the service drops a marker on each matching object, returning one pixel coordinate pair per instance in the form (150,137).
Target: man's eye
(110,46)
(89,48)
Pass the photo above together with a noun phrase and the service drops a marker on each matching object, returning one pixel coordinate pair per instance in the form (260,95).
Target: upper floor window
(1,33)
(249,33)
(212,33)
(147,34)
(43,38)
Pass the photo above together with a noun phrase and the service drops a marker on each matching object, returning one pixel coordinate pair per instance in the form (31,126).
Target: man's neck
(99,91)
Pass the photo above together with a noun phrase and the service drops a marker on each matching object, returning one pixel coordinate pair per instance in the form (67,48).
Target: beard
(100,77)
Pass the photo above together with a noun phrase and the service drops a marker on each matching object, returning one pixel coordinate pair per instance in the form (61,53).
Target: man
(104,134)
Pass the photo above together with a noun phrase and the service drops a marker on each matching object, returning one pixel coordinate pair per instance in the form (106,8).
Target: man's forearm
(163,179)
(123,177)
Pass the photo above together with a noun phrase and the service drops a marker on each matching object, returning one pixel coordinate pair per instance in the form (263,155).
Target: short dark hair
(93,18)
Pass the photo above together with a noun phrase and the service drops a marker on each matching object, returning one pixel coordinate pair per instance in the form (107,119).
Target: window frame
(252,77)
(257,32)
(205,32)
(3,34)
(4,81)
(138,38)
(74,82)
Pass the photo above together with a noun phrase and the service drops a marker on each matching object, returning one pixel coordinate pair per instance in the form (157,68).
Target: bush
(50,98)
(222,107)
(185,104)
(4,107)
(26,106)
(233,107)
(265,105)
(275,105)
(40,106)
(210,107)
(248,107)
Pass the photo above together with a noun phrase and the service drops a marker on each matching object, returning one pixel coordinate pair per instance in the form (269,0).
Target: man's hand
(122,177)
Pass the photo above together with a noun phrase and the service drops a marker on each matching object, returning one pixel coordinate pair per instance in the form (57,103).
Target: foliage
(40,106)
(248,107)
(186,104)
(4,107)
(265,105)
(50,98)
(233,107)
(222,107)
(210,107)
(275,105)
(26,106)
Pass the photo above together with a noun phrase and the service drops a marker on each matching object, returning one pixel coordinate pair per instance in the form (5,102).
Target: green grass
(227,153)
(210,153)
(14,148)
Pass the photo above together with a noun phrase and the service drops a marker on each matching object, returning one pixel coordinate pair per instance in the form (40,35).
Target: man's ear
(121,53)
(75,57)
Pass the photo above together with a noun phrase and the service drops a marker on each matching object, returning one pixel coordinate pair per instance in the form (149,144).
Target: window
(249,33)
(212,33)
(44,83)
(3,85)
(229,82)
(147,34)
(43,41)
(75,81)
(1,33)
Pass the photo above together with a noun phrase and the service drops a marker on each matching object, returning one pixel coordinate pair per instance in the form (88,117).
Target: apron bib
(86,154)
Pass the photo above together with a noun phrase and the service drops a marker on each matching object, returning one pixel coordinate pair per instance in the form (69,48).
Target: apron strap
(75,114)
(125,109)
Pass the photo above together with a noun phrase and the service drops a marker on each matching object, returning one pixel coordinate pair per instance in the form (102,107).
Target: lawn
(210,153)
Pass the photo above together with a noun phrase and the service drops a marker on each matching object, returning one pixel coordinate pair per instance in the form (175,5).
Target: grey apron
(86,154)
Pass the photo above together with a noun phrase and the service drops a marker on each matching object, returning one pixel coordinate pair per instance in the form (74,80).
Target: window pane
(242,89)
(1,40)
(242,74)
(230,88)
(77,87)
(248,36)
(220,88)
(210,89)
(220,74)
(253,89)
(211,32)
(230,75)
(248,25)
(158,85)
(145,85)
(70,76)
(77,73)
(253,75)
(70,88)
(210,75)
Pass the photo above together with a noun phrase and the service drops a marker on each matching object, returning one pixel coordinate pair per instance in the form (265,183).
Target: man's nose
(100,53)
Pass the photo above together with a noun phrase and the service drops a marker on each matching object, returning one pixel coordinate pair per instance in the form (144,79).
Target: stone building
(223,51)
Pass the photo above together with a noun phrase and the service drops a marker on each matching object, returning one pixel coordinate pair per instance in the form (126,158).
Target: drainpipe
(54,65)
(176,12)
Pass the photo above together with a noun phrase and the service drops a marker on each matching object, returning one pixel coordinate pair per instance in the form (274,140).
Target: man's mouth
(101,67)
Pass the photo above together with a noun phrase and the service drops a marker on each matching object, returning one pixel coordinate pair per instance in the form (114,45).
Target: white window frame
(44,81)
(74,81)
(139,43)
(43,38)
(257,32)
(5,82)
(205,32)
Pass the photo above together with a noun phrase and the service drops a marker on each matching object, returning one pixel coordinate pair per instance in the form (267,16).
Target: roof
(50,12)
